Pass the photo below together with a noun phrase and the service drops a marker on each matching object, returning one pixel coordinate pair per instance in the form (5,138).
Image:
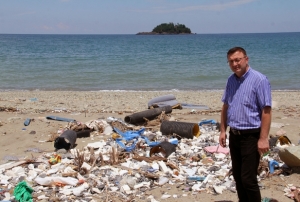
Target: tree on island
(170,28)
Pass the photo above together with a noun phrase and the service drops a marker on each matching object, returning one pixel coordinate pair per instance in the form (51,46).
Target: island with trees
(168,28)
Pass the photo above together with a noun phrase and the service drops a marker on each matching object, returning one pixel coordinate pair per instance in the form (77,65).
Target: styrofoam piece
(155,165)
(108,130)
(96,190)
(152,199)
(86,166)
(207,178)
(7,196)
(197,187)
(222,172)
(143,184)
(51,171)
(165,196)
(42,197)
(219,189)
(126,189)
(4,182)
(220,155)
(123,172)
(97,145)
(20,171)
(163,167)
(30,166)
(162,180)
(190,171)
(113,189)
(31,175)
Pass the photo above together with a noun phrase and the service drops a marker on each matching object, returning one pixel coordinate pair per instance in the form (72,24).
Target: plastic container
(66,140)
(164,148)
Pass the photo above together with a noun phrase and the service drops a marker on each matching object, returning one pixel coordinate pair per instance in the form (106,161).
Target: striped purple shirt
(246,97)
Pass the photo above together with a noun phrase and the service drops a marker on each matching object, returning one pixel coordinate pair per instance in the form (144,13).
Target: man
(247,111)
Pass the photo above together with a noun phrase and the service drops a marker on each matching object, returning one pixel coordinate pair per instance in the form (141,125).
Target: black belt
(243,132)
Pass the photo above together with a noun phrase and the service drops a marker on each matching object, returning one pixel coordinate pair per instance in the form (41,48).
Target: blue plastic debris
(196,178)
(211,121)
(27,122)
(272,165)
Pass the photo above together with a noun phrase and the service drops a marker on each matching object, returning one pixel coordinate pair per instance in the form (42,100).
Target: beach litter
(22,192)
(132,160)
(66,140)
(27,122)
(170,100)
(147,115)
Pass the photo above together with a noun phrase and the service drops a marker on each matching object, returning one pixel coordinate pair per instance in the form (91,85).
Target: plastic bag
(22,192)
(130,135)
(127,136)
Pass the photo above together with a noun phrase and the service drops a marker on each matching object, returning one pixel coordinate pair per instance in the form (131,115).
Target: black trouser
(245,161)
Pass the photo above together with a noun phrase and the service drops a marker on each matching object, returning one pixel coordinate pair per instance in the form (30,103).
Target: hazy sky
(132,16)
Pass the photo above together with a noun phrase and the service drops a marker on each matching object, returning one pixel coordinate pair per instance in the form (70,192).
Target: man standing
(247,111)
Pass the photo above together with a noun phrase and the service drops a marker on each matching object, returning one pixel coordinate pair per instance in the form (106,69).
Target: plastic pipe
(148,114)
(163,100)
(182,129)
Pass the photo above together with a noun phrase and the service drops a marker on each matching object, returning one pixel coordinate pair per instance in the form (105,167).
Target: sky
(133,16)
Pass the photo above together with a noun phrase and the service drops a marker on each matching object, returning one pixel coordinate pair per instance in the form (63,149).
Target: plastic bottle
(195,178)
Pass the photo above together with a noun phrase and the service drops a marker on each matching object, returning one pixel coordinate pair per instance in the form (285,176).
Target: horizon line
(156,35)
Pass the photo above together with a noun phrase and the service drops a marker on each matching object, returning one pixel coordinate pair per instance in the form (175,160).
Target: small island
(167,29)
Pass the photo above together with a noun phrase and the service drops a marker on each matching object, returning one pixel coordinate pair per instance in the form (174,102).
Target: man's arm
(263,142)
(223,126)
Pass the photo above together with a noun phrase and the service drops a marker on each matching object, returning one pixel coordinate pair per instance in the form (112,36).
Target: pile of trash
(134,159)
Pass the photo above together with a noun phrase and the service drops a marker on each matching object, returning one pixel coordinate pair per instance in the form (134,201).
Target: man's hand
(222,139)
(263,145)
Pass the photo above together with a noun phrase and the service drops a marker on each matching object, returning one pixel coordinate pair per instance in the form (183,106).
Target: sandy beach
(17,106)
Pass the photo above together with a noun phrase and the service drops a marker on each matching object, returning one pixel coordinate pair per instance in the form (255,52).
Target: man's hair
(235,49)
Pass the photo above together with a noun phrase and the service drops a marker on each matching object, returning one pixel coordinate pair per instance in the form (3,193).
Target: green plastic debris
(22,192)
(266,199)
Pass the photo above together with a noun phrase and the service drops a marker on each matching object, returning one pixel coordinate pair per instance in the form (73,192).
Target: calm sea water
(137,62)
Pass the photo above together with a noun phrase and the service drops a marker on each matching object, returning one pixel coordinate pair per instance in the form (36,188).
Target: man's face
(238,63)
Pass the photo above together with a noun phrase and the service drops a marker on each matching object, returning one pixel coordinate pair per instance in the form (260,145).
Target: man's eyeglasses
(236,60)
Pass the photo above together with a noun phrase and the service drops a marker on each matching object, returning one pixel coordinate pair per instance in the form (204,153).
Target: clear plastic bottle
(147,152)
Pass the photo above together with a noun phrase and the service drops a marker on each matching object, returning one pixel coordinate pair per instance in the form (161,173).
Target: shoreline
(119,90)
(123,99)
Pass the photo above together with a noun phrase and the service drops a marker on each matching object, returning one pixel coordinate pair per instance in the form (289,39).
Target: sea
(142,62)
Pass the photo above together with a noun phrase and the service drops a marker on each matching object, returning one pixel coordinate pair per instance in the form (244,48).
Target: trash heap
(135,158)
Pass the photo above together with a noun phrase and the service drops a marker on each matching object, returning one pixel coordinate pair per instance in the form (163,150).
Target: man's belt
(244,132)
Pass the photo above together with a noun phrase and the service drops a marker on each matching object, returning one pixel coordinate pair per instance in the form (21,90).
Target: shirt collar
(244,76)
